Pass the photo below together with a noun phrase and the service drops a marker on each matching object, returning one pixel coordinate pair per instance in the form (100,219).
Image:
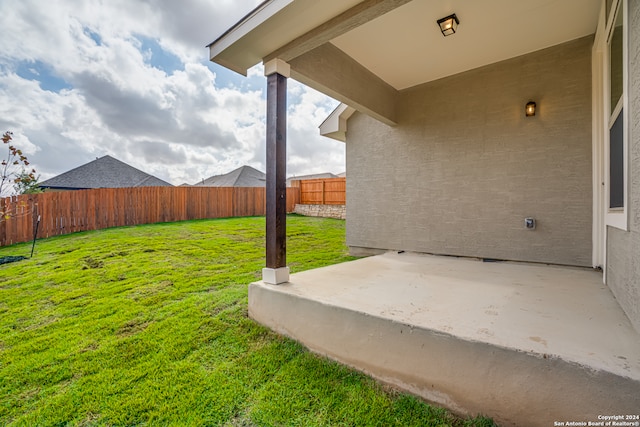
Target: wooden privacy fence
(324,191)
(71,211)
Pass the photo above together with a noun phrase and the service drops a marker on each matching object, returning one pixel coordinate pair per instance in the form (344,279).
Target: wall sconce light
(448,25)
(530,109)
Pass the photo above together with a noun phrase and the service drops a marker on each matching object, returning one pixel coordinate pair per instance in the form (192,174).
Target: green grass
(148,326)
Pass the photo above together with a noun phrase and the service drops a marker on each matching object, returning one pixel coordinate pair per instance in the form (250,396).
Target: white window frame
(603,216)
(617,217)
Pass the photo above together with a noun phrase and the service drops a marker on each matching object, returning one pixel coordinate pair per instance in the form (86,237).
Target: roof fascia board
(255,18)
(346,21)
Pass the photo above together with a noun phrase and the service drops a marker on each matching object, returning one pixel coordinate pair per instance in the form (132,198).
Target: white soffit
(335,126)
(405,47)
(270,26)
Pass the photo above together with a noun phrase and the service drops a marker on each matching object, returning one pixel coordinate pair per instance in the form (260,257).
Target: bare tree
(13,169)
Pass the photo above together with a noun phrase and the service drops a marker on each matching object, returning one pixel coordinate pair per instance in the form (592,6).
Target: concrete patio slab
(526,344)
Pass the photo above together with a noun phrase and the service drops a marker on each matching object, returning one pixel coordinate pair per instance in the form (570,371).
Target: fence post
(67,212)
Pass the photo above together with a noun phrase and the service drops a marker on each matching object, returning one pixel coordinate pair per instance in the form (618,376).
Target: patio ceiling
(363,53)
(405,46)
(399,40)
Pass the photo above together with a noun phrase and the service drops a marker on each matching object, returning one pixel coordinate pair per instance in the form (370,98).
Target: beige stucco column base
(275,276)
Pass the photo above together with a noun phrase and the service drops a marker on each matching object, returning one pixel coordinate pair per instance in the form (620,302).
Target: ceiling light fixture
(530,109)
(448,25)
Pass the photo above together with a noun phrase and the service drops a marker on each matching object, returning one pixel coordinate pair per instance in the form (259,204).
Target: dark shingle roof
(105,172)
(244,176)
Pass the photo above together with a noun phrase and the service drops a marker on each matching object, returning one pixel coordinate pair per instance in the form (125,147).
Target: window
(616,164)
(616,134)
(616,63)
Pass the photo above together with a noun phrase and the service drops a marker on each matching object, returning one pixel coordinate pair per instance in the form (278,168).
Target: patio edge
(468,377)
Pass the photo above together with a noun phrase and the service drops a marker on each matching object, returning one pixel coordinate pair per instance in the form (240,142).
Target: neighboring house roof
(244,176)
(312,176)
(104,172)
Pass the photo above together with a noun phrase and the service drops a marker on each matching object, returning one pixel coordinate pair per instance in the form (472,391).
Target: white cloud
(182,125)
(308,151)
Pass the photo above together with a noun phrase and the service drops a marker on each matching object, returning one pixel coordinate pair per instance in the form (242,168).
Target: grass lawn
(148,326)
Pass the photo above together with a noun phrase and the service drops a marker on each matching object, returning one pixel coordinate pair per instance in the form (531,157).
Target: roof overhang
(364,52)
(271,25)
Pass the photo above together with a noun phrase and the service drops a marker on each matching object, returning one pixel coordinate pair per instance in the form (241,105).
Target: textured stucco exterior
(463,167)
(623,247)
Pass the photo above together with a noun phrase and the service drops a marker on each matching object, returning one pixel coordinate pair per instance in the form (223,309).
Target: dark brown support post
(276,270)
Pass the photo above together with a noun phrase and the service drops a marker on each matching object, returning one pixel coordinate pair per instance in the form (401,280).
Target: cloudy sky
(80,79)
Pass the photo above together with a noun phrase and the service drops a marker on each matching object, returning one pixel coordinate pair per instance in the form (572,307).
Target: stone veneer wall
(325,211)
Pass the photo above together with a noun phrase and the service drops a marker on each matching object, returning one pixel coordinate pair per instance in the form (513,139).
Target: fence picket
(82,210)
(323,191)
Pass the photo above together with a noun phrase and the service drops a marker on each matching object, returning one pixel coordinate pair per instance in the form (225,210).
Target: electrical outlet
(530,223)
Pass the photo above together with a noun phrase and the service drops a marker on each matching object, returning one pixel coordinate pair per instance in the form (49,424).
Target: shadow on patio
(526,344)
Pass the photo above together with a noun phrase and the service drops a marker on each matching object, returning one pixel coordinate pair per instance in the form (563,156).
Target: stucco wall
(464,167)
(623,248)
